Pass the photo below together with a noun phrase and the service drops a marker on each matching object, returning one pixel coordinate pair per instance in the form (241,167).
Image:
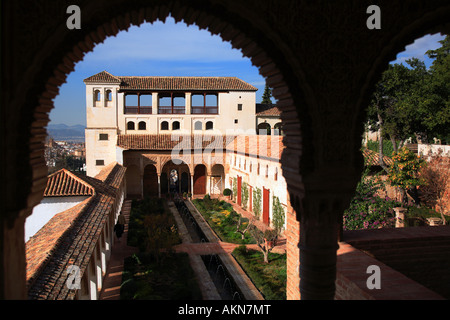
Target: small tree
(266,240)
(257,197)
(240,223)
(404,171)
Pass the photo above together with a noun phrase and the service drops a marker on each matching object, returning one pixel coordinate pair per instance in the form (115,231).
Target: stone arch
(199,186)
(263,41)
(150,181)
(133,177)
(168,184)
(263,129)
(278,129)
(217,179)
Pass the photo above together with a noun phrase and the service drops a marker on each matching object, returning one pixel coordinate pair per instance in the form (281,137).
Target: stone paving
(120,250)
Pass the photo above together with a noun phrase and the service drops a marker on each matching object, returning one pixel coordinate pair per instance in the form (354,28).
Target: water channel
(222,279)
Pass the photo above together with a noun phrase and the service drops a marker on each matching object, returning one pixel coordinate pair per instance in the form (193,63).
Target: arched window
(278,129)
(164,125)
(198,125)
(97,95)
(209,125)
(267,171)
(108,95)
(258,169)
(142,125)
(176,125)
(263,128)
(130,125)
(275,177)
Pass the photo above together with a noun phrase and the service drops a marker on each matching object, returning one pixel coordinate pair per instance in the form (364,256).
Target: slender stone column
(155,103)
(317,266)
(320,216)
(159,185)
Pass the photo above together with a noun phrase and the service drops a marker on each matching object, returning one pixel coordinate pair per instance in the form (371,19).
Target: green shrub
(367,210)
(143,212)
(226,192)
(222,218)
(144,279)
(270,279)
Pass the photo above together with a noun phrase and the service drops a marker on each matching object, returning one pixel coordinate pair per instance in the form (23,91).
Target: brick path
(113,277)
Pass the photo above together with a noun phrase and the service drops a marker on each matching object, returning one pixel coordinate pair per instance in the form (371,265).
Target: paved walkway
(120,250)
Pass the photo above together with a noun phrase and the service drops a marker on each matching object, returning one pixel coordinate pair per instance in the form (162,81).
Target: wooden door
(200,179)
(266,198)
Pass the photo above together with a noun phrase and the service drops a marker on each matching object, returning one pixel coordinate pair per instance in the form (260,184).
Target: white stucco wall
(47,209)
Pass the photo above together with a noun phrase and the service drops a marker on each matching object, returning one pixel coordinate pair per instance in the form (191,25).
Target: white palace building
(194,135)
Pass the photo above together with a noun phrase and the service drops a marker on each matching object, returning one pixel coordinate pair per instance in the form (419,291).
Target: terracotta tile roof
(41,246)
(270,110)
(173,83)
(103,77)
(262,146)
(70,237)
(66,183)
(372,158)
(169,141)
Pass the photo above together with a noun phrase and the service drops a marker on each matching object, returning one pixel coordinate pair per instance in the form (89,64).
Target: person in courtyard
(120,226)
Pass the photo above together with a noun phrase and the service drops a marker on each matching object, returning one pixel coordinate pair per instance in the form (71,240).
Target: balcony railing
(204,110)
(138,110)
(171,110)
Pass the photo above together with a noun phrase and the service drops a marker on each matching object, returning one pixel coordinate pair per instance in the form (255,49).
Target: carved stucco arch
(95,31)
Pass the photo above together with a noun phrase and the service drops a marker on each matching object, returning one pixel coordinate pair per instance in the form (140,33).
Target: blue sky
(169,49)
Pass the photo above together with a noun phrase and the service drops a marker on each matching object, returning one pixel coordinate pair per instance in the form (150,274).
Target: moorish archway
(150,181)
(172,174)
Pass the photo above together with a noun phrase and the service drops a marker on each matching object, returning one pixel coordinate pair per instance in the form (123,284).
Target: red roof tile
(169,141)
(372,158)
(70,237)
(173,83)
(66,183)
(267,110)
(103,77)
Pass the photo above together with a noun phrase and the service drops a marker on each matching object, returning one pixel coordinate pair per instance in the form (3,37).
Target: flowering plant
(404,171)
(367,210)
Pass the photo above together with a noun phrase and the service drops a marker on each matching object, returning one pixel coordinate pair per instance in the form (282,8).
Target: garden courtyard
(158,266)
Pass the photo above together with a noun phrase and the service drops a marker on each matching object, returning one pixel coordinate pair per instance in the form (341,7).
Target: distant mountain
(66,133)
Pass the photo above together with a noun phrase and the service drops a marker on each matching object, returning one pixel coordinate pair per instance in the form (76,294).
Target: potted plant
(189,195)
(227,193)
(185,195)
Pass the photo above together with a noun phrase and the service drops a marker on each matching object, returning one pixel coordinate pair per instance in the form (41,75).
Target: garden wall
(414,263)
